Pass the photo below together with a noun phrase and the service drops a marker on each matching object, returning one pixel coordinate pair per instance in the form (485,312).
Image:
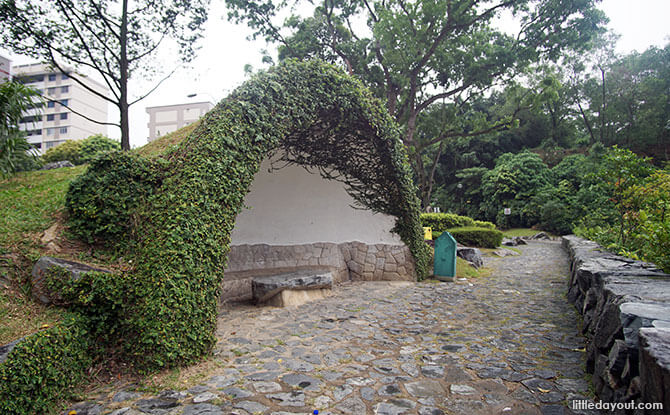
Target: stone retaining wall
(354,261)
(626,309)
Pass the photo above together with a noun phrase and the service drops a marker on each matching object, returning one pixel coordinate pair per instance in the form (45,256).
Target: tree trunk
(428,193)
(602,108)
(123,96)
(587,123)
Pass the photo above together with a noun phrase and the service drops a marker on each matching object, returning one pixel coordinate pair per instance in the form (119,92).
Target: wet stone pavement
(504,344)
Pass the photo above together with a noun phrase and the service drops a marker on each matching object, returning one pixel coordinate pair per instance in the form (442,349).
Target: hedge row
(477,237)
(440,222)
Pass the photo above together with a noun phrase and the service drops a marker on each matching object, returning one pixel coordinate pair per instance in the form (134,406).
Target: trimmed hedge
(477,237)
(441,222)
(44,367)
(484,224)
(164,309)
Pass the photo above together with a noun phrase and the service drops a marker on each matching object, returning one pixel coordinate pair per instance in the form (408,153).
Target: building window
(37,145)
(63,130)
(65,89)
(51,91)
(51,117)
(52,144)
(51,104)
(52,77)
(63,116)
(30,118)
(50,131)
(64,76)
(64,102)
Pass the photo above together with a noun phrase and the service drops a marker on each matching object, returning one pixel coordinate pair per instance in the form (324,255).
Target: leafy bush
(484,224)
(96,145)
(69,150)
(81,151)
(102,202)
(442,221)
(477,237)
(44,367)
(634,220)
(556,217)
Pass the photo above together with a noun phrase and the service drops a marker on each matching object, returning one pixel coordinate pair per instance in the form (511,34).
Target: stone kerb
(625,305)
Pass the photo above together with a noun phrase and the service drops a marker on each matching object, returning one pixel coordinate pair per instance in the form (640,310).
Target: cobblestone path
(504,344)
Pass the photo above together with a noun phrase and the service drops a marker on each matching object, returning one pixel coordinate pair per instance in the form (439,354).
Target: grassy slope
(29,204)
(161,144)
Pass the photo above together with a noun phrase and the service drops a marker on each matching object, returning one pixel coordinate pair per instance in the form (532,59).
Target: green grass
(29,204)
(510,233)
(465,270)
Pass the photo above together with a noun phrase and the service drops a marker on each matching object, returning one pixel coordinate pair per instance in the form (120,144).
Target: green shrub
(81,151)
(484,224)
(69,150)
(102,203)
(556,217)
(96,145)
(44,367)
(477,237)
(442,221)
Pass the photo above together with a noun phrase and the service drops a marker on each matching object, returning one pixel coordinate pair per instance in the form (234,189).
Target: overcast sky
(219,67)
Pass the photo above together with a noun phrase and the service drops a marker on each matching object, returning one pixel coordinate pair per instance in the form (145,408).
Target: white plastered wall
(292,206)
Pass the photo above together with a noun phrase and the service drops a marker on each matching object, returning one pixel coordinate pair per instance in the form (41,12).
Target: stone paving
(504,344)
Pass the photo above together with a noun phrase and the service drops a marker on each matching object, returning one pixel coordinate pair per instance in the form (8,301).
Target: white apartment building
(5,69)
(165,119)
(57,119)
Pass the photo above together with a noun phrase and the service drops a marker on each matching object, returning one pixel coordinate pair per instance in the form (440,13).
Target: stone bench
(292,288)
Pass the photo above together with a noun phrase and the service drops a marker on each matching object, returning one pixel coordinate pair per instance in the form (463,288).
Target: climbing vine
(315,115)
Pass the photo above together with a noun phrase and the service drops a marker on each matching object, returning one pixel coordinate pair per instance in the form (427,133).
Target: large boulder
(46,266)
(264,288)
(472,255)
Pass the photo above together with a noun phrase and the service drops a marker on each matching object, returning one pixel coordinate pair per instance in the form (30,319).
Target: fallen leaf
(543,390)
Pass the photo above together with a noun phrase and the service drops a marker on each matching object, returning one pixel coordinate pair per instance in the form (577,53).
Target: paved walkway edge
(626,309)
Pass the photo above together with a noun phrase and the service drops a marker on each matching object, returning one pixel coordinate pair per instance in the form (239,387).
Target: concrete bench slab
(265,288)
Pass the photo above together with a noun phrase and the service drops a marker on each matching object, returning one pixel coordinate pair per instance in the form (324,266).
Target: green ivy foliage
(478,237)
(44,367)
(181,210)
(102,203)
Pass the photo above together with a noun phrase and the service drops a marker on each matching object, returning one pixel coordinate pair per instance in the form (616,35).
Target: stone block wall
(355,261)
(625,305)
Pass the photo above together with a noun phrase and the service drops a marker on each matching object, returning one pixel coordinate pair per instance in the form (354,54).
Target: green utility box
(445,257)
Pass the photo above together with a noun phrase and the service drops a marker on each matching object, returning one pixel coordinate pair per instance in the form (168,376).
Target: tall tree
(115,39)
(416,54)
